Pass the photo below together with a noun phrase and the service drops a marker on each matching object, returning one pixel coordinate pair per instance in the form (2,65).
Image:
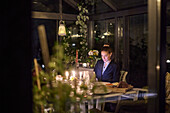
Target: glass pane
(138,50)
(104,33)
(120,43)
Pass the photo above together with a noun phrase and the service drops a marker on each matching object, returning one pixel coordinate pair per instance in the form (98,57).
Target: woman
(107,70)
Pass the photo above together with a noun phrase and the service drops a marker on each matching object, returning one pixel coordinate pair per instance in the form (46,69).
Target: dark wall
(15,57)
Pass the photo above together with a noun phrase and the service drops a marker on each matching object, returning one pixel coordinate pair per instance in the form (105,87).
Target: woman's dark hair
(107,48)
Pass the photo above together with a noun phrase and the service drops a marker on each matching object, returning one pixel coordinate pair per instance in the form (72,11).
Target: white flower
(90,53)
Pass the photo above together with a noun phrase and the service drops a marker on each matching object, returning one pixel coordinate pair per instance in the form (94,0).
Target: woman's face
(106,56)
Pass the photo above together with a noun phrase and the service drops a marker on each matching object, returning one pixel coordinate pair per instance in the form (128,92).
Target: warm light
(62,29)
(157,67)
(103,37)
(80,73)
(76,35)
(107,33)
(167,61)
(121,33)
(74,73)
(69,32)
(84,65)
(72,78)
(67,74)
(59,78)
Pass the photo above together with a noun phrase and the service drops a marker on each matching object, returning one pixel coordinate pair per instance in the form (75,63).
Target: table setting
(81,88)
(78,79)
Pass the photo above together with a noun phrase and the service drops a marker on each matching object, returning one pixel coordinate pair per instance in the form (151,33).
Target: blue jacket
(111,74)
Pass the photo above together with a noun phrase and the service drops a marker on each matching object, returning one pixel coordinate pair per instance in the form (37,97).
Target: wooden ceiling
(100,6)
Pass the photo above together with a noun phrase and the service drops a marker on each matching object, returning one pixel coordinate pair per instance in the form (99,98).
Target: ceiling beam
(139,10)
(72,3)
(55,16)
(111,4)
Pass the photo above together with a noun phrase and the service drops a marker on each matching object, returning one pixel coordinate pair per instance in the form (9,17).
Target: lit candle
(80,73)
(74,73)
(67,74)
(84,76)
(71,78)
(84,65)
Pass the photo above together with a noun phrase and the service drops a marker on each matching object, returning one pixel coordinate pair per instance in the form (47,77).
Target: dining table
(103,93)
(98,100)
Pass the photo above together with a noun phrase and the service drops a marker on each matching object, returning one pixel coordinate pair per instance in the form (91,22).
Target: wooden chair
(123,76)
(133,101)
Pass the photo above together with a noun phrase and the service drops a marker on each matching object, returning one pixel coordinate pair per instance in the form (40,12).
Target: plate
(102,90)
(120,90)
(112,84)
(101,83)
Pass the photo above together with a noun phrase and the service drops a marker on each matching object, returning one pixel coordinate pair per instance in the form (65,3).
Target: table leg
(98,105)
(118,103)
(82,107)
(90,105)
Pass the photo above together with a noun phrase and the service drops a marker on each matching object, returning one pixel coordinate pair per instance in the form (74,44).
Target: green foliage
(69,51)
(82,45)
(58,96)
(58,59)
(82,19)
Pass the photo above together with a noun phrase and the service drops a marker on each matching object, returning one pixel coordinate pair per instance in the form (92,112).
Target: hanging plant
(69,51)
(82,45)
(82,20)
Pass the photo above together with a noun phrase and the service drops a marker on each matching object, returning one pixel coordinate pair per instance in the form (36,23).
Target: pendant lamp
(107,33)
(62,29)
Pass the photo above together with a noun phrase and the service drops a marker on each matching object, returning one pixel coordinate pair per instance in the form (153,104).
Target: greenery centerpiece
(54,92)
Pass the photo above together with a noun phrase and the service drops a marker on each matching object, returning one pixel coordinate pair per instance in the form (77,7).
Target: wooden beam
(111,4)
(156,55)
(69,17)
(139,10)
(44,46)
(60,7)
(72,3)
(45,15)
(55,16)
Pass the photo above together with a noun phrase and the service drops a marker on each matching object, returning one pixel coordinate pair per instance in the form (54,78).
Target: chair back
(123,76)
